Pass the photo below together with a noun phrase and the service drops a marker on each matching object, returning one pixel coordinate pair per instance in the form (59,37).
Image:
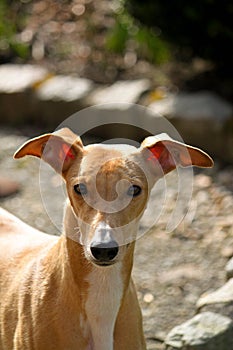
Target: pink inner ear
(163,156)
(66,152)
(156,151)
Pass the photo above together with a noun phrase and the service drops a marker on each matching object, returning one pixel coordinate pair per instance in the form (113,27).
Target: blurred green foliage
(199,28)
(10,45)
(129,34)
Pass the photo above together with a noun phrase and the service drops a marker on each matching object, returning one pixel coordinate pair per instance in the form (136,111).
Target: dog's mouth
(102,263)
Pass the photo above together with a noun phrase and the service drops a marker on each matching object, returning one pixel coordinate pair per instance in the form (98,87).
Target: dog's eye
(134,191)
(80,189)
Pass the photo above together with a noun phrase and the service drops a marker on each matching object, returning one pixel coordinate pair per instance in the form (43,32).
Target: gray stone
(221,295)
(120,92)
(28,94)
(59,97)
(229,268)
(64,88)
(16,92)
(194,106)
(16,78)
(211,129)
(206,331)
(203,119)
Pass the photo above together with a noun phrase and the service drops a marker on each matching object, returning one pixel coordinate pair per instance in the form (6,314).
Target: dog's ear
(170,153)
(58,149)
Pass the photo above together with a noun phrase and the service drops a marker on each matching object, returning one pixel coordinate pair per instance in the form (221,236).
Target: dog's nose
(104,252)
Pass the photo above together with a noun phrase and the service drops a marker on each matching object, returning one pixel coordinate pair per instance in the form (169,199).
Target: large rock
(202,105)
(202,118)
(59,97)
(15,78)
(30,94)
(16,98)
(64,88)
(206,331)
(120,92)
(221,295)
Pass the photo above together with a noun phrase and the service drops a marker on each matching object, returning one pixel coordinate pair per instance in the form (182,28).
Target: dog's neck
(100,290)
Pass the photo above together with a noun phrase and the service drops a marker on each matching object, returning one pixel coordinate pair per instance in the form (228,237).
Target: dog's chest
(102,305)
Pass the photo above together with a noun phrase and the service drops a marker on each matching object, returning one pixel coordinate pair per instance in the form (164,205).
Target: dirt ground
(171,270)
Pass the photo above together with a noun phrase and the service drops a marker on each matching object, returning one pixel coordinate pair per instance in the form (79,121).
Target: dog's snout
(104,252)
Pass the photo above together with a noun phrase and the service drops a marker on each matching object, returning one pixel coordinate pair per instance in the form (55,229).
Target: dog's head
(108,185)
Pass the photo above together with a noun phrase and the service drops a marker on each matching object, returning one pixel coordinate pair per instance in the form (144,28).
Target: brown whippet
(75,292)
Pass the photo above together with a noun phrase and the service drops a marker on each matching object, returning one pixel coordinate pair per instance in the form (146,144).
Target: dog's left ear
(170,153)
(58,149)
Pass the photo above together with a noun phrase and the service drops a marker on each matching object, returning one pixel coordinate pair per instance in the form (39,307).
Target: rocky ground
(171,270)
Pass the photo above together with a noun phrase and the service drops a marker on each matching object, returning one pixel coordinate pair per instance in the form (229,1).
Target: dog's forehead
(109,150)
(122,149)
(96,155)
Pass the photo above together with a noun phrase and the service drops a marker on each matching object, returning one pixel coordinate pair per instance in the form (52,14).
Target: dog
(75,292)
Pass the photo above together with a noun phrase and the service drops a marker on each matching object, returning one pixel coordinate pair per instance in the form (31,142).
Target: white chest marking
(103,303)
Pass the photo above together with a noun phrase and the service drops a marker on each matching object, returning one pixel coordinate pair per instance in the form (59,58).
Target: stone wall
(32,95)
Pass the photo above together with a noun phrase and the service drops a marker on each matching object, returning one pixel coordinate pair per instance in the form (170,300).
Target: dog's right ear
(58,149)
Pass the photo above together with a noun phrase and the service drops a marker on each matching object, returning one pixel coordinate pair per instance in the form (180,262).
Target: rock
(16,98)
(64,88)
(120,92)
(29,93)
(229,268)
(15,78)
(60,97)
(200,118)
(206,331)
(194,106)
(221,295)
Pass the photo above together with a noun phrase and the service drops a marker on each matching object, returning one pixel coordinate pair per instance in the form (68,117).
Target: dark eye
(80,189)
(134,191)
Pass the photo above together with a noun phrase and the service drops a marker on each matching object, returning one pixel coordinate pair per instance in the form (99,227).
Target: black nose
(104,252)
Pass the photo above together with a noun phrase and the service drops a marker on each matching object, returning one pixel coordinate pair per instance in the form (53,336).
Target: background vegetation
(199,28)
(11,23)
(106,40)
